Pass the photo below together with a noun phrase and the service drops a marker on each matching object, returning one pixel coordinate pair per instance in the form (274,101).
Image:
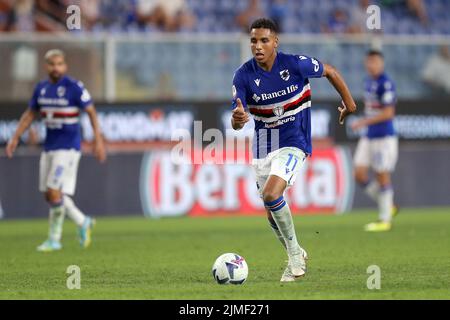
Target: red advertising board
(206,188)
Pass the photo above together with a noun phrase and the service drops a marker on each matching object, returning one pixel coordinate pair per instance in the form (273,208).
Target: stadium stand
(295,16)
(173,69)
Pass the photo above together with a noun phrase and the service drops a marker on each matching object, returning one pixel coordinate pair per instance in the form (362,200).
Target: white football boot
(296,267)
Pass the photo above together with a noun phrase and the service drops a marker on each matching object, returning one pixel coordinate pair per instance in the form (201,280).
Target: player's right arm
(26,120)
(238,117)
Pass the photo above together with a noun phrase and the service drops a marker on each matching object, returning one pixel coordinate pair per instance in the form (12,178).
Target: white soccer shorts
(58,170)
(380,154)
(284,163)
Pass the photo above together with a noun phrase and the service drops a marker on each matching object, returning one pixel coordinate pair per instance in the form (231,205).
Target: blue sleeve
(387,94)
(310,67)
(239,90)
(82,96)
(33,103)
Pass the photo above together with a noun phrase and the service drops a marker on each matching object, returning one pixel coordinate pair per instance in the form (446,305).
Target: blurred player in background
(59,100)
(274,88)
(378,149)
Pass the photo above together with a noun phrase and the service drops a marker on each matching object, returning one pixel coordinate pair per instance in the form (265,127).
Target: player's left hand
(343,113)
(100,151)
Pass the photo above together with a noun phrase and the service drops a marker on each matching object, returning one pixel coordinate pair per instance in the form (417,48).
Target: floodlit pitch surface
(138,258)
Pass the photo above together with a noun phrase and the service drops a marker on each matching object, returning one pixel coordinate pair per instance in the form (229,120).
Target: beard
(55,75)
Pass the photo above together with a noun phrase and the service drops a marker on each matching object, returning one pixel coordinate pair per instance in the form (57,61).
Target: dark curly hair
(264,23)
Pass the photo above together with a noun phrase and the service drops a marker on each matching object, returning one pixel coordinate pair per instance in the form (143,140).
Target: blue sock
(275,205)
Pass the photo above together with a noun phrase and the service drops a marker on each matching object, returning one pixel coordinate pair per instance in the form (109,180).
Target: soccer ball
(230,268)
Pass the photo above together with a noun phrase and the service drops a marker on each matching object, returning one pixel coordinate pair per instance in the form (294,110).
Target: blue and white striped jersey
(279,100)
(59,105)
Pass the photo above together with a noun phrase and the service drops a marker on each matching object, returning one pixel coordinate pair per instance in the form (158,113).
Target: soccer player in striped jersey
(378,148)
(59,100)
(274,88)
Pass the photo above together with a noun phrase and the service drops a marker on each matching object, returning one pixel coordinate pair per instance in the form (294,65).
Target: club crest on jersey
(278,111)
(61,91)
(256,98)
(257,81)
(43,92)
(285,74)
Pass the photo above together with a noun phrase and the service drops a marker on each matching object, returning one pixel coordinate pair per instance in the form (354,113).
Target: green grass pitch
(138,258)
